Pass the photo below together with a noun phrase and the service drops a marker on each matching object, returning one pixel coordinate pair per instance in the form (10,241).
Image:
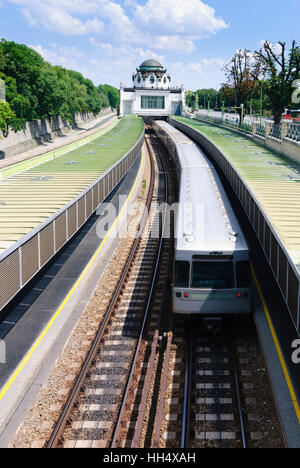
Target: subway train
(211,262)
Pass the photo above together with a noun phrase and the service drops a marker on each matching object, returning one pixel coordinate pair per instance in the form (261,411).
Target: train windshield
(213,275)
(182,273)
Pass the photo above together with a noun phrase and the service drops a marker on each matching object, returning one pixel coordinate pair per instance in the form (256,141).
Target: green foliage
(37,90)
(281,66)
(9,119)
(204,95)
(113,94)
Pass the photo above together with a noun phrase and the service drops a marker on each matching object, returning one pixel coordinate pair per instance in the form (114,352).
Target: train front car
(212,269)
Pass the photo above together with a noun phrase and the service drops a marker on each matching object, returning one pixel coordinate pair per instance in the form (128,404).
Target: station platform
(64,289)
(28,198)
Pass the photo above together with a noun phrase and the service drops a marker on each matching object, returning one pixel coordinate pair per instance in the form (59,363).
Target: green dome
(151,64)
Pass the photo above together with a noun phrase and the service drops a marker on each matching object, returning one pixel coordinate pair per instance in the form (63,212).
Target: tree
(112,94)
(242,72)
(8,119)
(227,92)
(37,90)
(281,67)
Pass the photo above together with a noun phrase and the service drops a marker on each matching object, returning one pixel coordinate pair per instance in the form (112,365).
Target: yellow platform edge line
(69,295)
(278,348)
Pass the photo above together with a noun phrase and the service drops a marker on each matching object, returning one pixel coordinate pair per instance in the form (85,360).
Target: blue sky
(107,39)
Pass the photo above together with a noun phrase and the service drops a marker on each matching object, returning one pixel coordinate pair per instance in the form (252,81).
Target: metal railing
(247,127)
(261,130)
(294,132)
(276,131)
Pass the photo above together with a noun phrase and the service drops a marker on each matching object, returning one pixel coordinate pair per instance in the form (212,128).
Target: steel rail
(149,372)
(147,309)
(187,400)
(162,390)
(240,410)
(56,439)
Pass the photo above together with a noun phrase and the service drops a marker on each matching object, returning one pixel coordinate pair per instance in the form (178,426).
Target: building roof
(151,64)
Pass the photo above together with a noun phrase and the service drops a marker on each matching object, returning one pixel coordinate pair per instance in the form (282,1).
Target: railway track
(213,415)
(219,395)
(108,403)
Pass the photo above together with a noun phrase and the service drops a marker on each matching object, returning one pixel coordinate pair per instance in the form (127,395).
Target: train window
(243,275)
(213,275)
(182,273)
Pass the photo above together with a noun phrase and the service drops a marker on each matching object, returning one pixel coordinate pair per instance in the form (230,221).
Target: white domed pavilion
(151,93)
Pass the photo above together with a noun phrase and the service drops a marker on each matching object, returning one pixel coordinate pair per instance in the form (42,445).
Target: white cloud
(165,24)
(168,17)
(61,55)
(53,15)
(275,47)
(206,73)
(172,43)
(120,39)
(116,64)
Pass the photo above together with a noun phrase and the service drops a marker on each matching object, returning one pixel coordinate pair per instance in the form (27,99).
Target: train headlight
(186,294)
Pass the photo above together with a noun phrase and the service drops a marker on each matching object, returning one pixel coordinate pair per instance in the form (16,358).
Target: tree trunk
(277,116)
(240,114)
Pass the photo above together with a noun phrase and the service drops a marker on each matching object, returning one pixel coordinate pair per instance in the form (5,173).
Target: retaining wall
(40,131)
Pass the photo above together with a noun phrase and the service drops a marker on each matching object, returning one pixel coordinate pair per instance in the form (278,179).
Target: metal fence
(261,130)
(294,132)
(293,129)
(275,131)
(20,263)
(284,270)
(247,127)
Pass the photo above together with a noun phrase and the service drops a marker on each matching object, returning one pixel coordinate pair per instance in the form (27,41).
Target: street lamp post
(261,107)
(208,106)
(223,109)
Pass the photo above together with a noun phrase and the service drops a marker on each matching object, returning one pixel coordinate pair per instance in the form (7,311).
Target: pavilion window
(153,102)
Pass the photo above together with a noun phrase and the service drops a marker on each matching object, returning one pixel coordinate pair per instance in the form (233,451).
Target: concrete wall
(40,131)
(291,148)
